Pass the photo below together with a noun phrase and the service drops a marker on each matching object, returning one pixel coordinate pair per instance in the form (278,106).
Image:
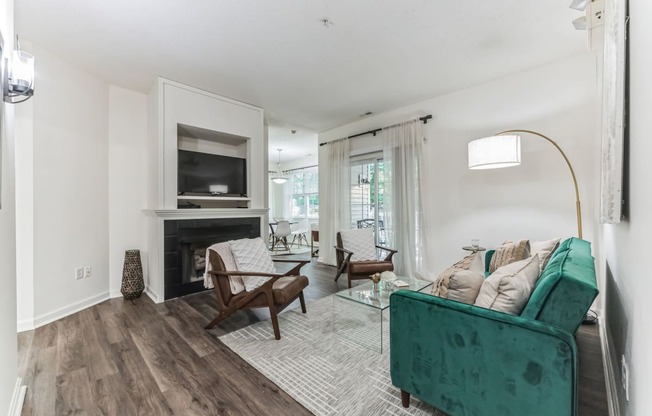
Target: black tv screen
(207,174)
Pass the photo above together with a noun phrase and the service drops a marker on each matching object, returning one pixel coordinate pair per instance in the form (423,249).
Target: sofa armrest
(466,360)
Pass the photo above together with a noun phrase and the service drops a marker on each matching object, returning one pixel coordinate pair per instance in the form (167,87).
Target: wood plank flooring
(140,358)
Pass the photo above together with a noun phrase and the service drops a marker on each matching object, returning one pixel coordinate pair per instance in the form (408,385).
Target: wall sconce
(18,77)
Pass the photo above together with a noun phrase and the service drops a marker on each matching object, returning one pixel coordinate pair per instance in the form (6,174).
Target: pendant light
(279,177)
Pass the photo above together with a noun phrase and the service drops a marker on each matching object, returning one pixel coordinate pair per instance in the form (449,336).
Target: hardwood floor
(141,358)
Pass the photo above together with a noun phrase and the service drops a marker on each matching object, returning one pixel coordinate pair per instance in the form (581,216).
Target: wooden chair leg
(349,276)
(277,330)
(303,302)
(405,398)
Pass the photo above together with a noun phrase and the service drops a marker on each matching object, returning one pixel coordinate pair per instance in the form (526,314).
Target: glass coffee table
(359,313)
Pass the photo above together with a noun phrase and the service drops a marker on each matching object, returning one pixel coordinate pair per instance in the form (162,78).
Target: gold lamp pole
(504,150)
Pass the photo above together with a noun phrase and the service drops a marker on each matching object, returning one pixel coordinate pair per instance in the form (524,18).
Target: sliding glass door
(367,197)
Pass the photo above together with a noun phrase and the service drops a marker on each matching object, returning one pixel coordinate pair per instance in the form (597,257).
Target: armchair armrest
(468,360)
(296,270)
(391,252)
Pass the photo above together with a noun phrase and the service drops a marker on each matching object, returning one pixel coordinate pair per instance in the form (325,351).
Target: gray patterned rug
(326,373)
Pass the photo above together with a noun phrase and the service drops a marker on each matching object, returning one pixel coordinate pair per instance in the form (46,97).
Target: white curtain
(334,204)
(404,214)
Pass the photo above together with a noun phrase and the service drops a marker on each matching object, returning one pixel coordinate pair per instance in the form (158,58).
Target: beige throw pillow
(508,288)
(462,281)
(509,252)
(544,249)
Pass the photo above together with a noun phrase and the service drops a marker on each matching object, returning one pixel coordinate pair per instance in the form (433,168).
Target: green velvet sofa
(469,361)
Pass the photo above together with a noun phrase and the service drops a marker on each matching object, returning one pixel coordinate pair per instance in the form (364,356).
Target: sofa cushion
(252,255)
(509,252)
(509,287)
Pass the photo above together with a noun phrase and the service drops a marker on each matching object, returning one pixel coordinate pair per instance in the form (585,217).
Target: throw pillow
(508,288)
(251,255)
(462,281)
(509,252)
(544,249)
(360,242)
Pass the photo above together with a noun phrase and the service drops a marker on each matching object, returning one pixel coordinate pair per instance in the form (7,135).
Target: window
(367,197)
(305,193)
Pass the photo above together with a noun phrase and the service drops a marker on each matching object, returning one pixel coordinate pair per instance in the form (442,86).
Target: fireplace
(185,243)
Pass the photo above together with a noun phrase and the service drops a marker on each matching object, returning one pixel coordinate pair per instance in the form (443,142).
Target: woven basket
(132,276)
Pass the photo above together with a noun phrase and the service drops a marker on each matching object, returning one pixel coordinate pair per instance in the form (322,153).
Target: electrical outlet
(624,376)
(79,273)
(87,271)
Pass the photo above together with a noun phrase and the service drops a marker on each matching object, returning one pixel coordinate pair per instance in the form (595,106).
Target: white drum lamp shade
(495,152)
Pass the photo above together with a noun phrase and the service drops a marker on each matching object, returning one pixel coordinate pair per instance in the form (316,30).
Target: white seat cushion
(361,243)
(251,255)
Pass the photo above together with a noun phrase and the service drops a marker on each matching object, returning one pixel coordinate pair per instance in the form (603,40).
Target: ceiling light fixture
(18,78)
(279,177)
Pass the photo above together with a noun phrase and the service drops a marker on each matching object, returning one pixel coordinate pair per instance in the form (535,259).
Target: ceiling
(375,56)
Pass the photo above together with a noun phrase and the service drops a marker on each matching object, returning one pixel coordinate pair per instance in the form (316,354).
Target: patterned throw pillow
(509,252)
(462,281)
(251,255)
(509,288)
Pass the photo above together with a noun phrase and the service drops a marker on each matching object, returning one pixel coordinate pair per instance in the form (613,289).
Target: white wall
(8,345)
(128,180)
(70,200)
(535,200)
(626,244)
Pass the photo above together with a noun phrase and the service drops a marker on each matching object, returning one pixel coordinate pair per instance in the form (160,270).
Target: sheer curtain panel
(404,217)
(334,206)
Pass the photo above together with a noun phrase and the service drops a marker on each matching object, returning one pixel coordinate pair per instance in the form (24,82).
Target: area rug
(327,374)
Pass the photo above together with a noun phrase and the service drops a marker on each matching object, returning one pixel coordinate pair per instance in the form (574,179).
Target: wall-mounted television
(207,174)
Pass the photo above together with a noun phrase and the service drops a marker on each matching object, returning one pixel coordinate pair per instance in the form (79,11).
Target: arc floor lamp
(504,150)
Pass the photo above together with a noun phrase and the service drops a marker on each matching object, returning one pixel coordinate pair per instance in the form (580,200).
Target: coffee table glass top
(365,294)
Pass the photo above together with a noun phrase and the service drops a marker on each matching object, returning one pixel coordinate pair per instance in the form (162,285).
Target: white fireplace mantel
(205,213)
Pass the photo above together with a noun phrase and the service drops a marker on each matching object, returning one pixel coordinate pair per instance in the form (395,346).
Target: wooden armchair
(357,257)
(276,294)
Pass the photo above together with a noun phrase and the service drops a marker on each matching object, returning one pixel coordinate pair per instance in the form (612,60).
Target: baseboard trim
(25,325)
(17,398)
(152,295)
(115,294)
(49,317)
(609,372)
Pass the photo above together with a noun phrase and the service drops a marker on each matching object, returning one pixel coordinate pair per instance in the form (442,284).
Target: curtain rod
(295,169)
(374,131)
